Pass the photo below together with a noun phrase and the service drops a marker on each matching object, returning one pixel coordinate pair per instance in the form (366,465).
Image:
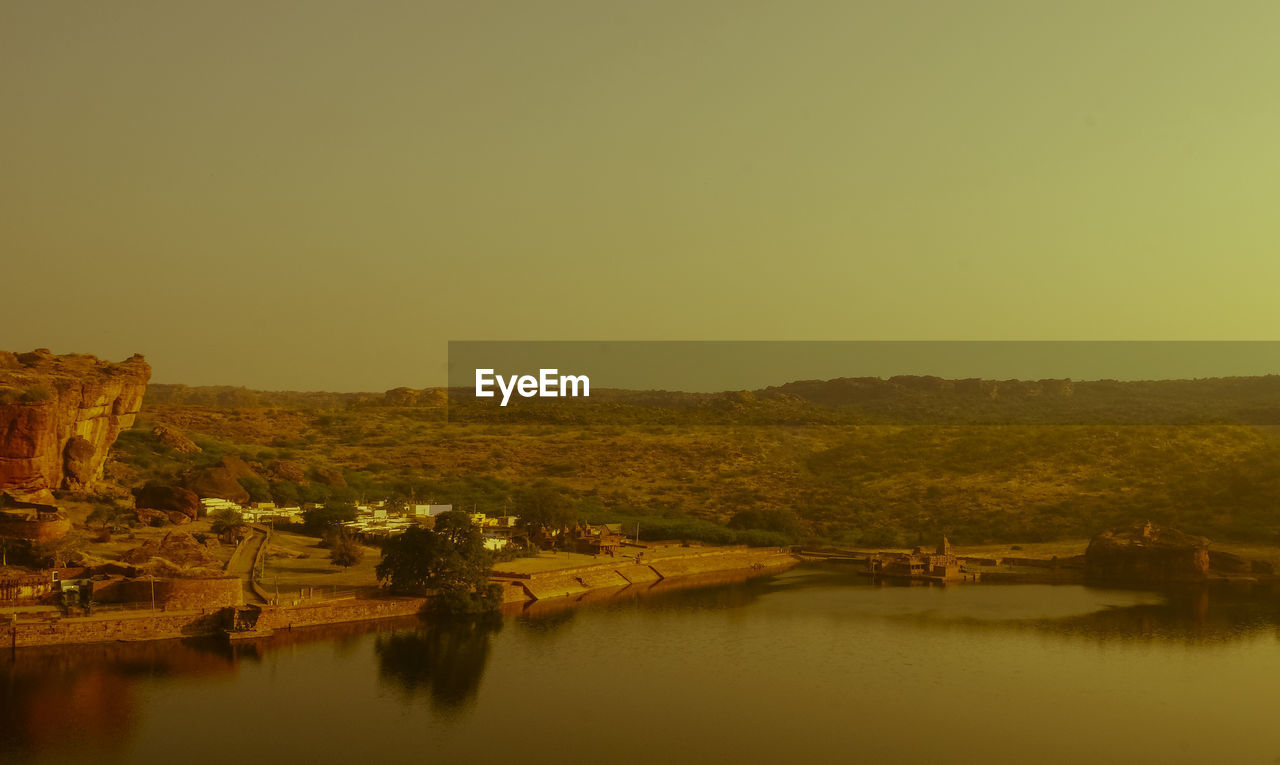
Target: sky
(321,195)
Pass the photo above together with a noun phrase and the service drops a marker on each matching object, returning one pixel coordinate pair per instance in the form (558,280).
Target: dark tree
(225,522)
(345,551)
(780,521)
(448,561)
(334,513)
(285,493)
(543,507)
(258,489)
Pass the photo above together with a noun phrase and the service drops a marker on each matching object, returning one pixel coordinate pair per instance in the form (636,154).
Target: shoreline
(568,586)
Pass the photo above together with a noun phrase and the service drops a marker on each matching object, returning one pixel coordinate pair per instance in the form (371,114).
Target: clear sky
(319,195)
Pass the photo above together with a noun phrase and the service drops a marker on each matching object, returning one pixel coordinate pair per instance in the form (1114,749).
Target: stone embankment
(210,605)
(50,628)
(637,570)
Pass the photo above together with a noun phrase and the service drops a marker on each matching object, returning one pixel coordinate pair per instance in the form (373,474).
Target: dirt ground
(296,560)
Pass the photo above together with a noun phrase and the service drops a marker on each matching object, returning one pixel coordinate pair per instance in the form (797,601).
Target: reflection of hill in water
(85,694)
(1209,615)
(1193,615)
(86,697)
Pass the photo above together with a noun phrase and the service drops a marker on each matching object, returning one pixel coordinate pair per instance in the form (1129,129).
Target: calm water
(806,665)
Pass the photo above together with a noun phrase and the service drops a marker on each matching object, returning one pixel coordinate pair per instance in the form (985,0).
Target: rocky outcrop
(331,477)
(221,481)
(177,547)
(155,496)
(1147,553)
(175,440)
(58,417)
(401,397)
(288,470)
(216,482)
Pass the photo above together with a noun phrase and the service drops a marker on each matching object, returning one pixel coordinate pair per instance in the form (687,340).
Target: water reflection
(716,591)
(1190,614)
(78,696)
(444,659)
(699,660)
(1209,615)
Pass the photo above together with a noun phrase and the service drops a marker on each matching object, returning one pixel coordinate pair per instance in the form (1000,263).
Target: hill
(855,461)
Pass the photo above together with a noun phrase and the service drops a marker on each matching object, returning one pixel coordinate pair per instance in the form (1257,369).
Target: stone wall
(625,571)
(32,526)
(338,612)
(110,628)
(173,594)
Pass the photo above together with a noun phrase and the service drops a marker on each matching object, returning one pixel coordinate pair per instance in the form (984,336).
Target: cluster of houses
(377,520)
(254,512)
(380,520)
(941,565)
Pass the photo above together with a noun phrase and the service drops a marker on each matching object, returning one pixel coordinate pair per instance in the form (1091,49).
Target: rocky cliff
(1147,553)
(58,417)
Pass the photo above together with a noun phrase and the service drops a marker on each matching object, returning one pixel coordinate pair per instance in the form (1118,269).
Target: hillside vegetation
(874,462)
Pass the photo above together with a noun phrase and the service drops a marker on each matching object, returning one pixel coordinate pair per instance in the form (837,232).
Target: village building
(940,565)
(599,539)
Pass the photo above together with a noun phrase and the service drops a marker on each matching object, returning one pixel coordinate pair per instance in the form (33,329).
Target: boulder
(176,547)
(175,440)
(147,516)
(1146,553)
(331,477)
(287,470)
(238,468)
(216,482)
(155,496)
(78,463)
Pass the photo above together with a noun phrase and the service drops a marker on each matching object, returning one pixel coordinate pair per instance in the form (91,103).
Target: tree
(110,517)
(543,507)
(224,522)
(449,561)
(345,551)
(285,493)
(258,489)
(780,521)
(54,553)
(334,513)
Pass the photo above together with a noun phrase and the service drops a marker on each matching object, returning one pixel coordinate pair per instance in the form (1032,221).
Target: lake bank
(810,663)
(567,583)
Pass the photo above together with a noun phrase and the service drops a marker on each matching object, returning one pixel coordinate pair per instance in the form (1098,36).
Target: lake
(811,664)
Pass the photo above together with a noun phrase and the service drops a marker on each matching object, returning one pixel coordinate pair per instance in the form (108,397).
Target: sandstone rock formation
(288,470)
(401,397)
(155,496)
(1147,553)
(176,440)
(216,482)
(58,417)
(331,476)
